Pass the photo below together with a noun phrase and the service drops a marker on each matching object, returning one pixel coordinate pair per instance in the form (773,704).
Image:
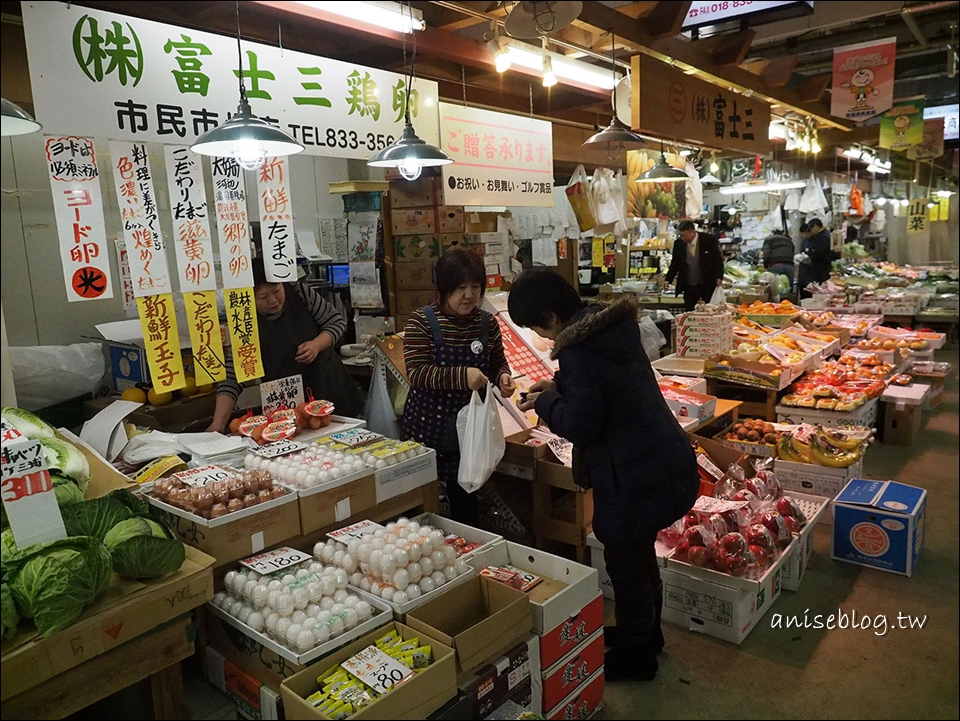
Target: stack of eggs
(220,497)
(309,468)
(301,607)
(399,563)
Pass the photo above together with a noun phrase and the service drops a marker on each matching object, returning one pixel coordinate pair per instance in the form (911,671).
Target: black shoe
(630,662)
(613,637)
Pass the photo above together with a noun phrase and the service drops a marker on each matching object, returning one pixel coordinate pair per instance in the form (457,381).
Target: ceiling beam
(666,19)
(814,86)
(728,49)
(775,72)
(915,29)
(688,56)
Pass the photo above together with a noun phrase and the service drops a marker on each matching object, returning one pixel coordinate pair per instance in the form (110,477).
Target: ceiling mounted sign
(863,79)
(669,104)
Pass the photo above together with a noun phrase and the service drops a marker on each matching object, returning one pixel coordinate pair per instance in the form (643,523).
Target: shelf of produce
(754,402)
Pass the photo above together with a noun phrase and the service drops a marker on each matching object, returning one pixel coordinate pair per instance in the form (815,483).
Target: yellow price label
(208,358)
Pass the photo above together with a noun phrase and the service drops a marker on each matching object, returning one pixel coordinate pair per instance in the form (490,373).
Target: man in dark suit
(697,265)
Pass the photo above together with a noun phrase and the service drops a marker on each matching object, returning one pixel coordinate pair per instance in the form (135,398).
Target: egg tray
(401,610)
(303,578)
(289,497)
(383,615)
(325,485)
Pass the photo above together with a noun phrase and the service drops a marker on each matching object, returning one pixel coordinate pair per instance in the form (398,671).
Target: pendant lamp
(16,120)
(410,154)
(244,136)
(616,137)
(663,172)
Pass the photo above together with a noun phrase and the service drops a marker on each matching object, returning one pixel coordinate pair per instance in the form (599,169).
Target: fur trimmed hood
(596,319)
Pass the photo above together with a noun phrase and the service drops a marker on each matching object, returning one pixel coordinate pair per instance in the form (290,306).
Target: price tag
(357,530)
(527,579)
(356,437)
(279,448)
(282,393)
(563,450)
(20,455)
(709,466)
(204,474)
(803,432)
(708,504)
(376,669)
(275,560)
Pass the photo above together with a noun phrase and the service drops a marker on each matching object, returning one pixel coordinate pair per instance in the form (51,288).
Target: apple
(786,506)
(744,495)
(778,527)
(669,536)
(681,549)
(760,554)
(699,556)
(717,524)
(759,535)
(793,524)
(733,543)
(694,536)
(720,558)
(737,565)
(690,520)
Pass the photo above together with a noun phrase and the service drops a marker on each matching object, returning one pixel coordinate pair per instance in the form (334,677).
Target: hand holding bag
(481,440)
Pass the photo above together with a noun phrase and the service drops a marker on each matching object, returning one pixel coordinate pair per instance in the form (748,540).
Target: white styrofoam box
(227,677)
(798,554)
(810,479)
(865,415)
(290,497)
(406,476)
(478,555)
(902,396)
(675,365)
(400,611)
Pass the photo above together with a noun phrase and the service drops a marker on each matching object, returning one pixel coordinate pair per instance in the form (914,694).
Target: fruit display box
(815,508)
(865,415)
(751,373)
(765,450)
(674,365)
(772,320)
(823,481)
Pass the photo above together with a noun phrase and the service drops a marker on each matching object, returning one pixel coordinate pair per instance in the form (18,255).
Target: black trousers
(693,293)
(635,575)
(464,507)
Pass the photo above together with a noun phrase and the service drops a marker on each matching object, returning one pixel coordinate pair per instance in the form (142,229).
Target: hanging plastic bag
(603,202)
(718,297)
(694,192)
(651,338)
(811,202)
(49,374)
(379,411)
(481,440)
(578,193)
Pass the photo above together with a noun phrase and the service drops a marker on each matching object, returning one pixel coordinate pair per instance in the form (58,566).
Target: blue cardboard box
(879,524)
(128,366)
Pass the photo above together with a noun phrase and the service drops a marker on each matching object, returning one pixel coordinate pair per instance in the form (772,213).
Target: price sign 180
(275,560)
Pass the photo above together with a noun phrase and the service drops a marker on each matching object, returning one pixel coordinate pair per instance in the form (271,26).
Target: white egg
(389,546)
(293,630)
(326,603)
(321,633)
(315,589)
(363,551)
(401,578)
(391,538)
(391,526)
(285,604)
(426,565)
(379,533)
(403,532)
(364,610)
(324,477)
(248,460)
(288,579)
(414,552)
(300,598)
(426,546)
(356,578)
(426,530)
(218,599)
(333,473)
(401,597)
(337,609)
(402,456)
(316,566)
(329,571)
(239,582)
(427,584)
(228,579)
(413,591)
(282,625)
(365,584)
(329,583)
(438,560)
(335,624)
(402,557)
(449,553)
(342,578)
(450,572)
(244,614)
(271,621)
(299,617)
(439,578)
(377,544)
(387,593)
(351,601)
(348,563)
(391,460)
(461,566)
(273,598)
(375,556)
(275,585)
(376,588)
(323,617)
(327,555)
(235,608)
(381,464)
(413,527)
(313,479)
(350,619)
(259,595)
(340,595)
(353,545)
(437,538)
(414,572)
(305,640)
(313,610)
(388,578)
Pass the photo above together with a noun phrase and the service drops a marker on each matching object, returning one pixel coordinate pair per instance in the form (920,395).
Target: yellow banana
(827,455)
(839,440)
(786,451)
(802,449)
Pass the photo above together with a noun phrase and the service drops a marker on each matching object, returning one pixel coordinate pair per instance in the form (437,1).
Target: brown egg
(220,491)
(217,510)
(203,500)
(250,500)
(235,504)
(264,495)
(237,488)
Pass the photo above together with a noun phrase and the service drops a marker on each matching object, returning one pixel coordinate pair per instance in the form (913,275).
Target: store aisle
(840,673)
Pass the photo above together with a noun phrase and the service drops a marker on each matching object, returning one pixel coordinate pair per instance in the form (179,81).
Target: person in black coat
(697,265)
(815,257)
(627,446)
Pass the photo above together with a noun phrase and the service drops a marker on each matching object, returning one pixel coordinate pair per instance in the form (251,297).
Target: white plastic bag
(49,374)
(481,440)
(379,412)
(651,338)
(604,202)
(718,297)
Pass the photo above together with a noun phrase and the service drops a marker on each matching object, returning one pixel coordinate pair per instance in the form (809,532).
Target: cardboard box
(553,473)
(128,366)
(688,404)
(417,698)
(489,250)
(413,221)
(126,610)
(480,620)
(414,274)
(865,415)
(239,534)
(815,480)
(492,269)
(425,190)
(409,301)
(416,248)
(815,508)
(764,450)
(879,524)
(482,238)
(505,678)
(406,476)
(572,671)
(583,702)
(449,241)
(708,320)
(324,506)
(694,385)
(450,219)
(749,373)
(675,365)
(901,426)
(254,699)
(520,460)
(244,651)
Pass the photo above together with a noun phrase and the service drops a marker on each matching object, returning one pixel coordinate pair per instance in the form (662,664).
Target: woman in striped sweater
(298,331)
(452,348)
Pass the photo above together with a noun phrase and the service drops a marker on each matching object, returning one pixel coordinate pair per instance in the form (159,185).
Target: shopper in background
(815,257)
(298,330)
(778,252)
(627,446)
(452,348)
(697,265)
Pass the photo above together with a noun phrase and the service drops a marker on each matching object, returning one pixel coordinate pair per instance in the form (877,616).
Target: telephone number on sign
(339,138)
(710,8)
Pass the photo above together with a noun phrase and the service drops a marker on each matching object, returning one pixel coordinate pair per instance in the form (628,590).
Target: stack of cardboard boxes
(704,335)
(423,229)
(496,257)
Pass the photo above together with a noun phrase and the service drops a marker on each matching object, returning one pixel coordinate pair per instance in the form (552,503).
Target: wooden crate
(757,402)
(565,516)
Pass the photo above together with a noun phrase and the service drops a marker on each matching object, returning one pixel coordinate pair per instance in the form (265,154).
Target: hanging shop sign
(139,216)
(500,159)
(105,75)
(233,228)
(276,221)
(161,342)
(191,227)
(669,104)
(917,216)
(126,282)
(204,325)
(713,13)
(241,308)
(863,79)
(901,127)
(931,145)
(951,119)
(75,182)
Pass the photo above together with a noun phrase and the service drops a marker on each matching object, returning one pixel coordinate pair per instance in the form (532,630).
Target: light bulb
(931,204)
(503,62)
(815,146)
(410,169)
(880,201)
(714,168)
(249,154)
(904,202)
(549,79)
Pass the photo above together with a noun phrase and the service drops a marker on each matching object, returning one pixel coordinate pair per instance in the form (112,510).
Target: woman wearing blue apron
(450,349)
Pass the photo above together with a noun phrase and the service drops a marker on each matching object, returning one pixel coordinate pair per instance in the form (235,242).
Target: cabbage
(142,548)
(95,517)
(8,612)
(68,460)
(53,582)
(66,490)
(27,423)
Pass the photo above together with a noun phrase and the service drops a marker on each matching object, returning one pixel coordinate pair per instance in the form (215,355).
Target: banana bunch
(826,454)
(792,450)
(825,448)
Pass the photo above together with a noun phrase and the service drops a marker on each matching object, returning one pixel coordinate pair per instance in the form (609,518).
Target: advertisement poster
(902,126)
(863,79)
(930,146)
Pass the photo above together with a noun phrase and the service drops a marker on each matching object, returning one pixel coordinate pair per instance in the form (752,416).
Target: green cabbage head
(142,548)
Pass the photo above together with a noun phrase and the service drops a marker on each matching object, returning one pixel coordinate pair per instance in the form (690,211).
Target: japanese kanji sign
(27,490)
(233,229)
(75,182)
(863,79)
(204,323)
(901,127)
(244,336)
(126,281)
(499,159)
(667,103)
(917,216)
(161,341)
(281,393)
(106,75)
(191,227)
(140,218)
(276,221)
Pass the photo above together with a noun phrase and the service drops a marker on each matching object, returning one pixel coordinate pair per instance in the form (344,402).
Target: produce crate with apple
(815,508)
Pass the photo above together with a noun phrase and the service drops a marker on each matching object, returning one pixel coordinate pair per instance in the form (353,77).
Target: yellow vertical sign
(944,204)
(598,252)
(208,359)
(244,335)
(161,341)
(917,216)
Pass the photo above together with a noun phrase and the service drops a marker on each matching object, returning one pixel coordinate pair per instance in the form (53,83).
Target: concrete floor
(840,673)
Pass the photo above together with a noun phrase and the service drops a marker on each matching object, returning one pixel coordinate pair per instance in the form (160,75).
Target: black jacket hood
(605,327)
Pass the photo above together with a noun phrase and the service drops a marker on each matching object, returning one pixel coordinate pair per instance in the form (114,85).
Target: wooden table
(724,408)
(750,403)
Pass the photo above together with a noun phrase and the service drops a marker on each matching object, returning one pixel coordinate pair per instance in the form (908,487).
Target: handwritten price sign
(376,669)
(275,560)
(203,475)
(279,448)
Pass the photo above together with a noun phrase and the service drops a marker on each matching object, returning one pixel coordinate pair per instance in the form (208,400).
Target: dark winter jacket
(778,249)
(607,403)
(817,248)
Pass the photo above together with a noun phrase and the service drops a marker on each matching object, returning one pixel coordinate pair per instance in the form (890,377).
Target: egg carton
(383,453)
(290,589)
(310,468)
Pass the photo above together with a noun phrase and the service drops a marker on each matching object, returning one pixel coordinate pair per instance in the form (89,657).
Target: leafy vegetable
(27,423)
(94,517)
(68,460)
(142,548)
(135,503)
(66,490)
(8,612)
(53,582)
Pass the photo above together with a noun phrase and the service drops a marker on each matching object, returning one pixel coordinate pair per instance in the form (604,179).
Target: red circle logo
(869,539)
(89,282)
(677,102)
